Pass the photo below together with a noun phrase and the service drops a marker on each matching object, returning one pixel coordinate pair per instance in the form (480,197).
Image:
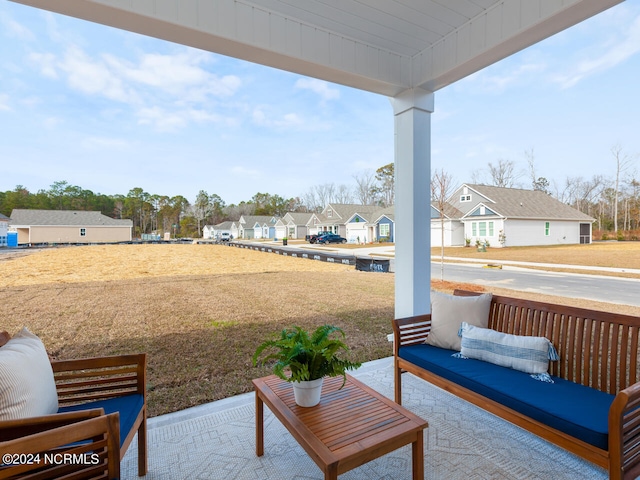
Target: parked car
(331,238)
(313,238)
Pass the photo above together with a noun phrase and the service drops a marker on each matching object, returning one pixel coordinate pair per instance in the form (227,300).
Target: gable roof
(344,211)
(3,218)
(521,203)
(64,218)
(251,220)
(450,211)
(300,218)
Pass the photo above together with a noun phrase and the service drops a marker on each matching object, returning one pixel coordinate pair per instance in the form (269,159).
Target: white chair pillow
(27,386)
(449,311)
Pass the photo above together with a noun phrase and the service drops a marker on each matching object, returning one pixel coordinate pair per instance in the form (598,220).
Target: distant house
(214,231)
(518,217)
(383,226)
(347,220)
(4,228)
(296,225)
(68,226)
(256,226)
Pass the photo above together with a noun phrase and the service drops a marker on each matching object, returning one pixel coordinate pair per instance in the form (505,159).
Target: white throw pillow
(449,311)
(27,386)
(520,352)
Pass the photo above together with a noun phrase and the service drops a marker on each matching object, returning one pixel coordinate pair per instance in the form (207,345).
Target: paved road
(591,287)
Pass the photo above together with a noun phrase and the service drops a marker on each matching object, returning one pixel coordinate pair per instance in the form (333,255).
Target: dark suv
(331,238)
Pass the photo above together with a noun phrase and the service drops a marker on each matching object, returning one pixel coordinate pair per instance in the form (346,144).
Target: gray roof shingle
(64,218)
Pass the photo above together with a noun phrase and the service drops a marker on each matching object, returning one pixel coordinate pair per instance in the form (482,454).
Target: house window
(329,213)
(465,198)
(491,229)
(474,229)
(547,228)
(83,232)
(483,229)
(384,229)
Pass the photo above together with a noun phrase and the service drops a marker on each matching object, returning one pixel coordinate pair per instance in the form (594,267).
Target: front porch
(217,441)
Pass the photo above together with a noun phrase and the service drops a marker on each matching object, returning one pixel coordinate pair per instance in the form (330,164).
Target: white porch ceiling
(383,46)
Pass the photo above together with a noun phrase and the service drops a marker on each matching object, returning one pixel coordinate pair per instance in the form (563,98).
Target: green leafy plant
(308,357)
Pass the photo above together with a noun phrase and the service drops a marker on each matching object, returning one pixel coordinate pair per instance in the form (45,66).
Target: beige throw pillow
(449,311)
(27,386)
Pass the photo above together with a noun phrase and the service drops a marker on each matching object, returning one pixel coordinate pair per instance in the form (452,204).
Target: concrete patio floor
(217,441)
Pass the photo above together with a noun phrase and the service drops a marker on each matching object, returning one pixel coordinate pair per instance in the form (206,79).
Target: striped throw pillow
(27,386)
(523,353)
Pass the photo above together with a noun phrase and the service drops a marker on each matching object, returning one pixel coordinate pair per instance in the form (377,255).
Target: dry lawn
(601,254)
(198,311)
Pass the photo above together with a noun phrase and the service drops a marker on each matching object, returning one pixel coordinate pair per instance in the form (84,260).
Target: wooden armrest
(624,433)
(99,378)
(86,448)
(410,330)
(12,429)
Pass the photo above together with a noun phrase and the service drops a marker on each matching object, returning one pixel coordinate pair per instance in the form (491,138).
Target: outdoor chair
(40,447)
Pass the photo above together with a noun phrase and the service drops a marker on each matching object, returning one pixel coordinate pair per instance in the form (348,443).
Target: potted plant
(305,359)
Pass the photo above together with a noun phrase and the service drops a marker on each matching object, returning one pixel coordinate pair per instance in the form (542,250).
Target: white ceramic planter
(307,393)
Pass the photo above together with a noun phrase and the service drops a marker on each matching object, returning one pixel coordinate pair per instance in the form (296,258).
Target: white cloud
(50,123)
(4,102)
(320,87)
(161,119)
(489,81)
(612,53)
(102,143)
(14,29)
(46,63)
(92,77)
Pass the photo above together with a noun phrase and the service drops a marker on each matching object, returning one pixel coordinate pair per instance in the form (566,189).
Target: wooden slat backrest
(84,380)
(597,349)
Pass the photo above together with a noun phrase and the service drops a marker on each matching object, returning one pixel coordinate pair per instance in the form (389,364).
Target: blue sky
(109,110)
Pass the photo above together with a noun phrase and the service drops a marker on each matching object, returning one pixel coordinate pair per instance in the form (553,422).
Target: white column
(412,110)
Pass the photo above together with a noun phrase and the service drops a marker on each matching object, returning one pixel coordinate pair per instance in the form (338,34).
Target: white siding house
(518,217)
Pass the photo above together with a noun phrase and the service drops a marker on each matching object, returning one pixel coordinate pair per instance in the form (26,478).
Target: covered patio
(217,441)
(406,50)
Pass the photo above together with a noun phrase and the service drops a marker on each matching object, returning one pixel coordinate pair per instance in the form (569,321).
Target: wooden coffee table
(349,427)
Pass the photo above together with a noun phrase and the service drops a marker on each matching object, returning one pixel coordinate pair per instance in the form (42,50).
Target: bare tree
(503,174)
(441,186)
(343,194)
(365,190)
(623,162)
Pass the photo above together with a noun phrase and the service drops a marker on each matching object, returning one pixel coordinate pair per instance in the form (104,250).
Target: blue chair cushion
(129,406)
(579,411)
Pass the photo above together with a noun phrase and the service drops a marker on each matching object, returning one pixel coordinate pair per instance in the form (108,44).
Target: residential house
(382,229)
(256,226)
(214,231)
(296,225)
(4,229)
(347,220)
(68,226)
(518,217)
(446,228)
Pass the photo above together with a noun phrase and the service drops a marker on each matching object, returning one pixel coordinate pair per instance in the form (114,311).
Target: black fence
(299,253)
(365,264)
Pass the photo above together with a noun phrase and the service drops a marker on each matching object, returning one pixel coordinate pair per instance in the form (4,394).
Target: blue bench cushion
(579,411)
(129,406)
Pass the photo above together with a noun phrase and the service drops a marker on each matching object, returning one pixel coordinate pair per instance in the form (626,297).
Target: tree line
(614,200)
(155,213)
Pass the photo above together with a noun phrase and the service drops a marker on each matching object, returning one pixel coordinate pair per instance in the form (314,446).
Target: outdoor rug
(217,441)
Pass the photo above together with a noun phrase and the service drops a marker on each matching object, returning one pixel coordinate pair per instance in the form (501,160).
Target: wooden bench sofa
(597,350)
